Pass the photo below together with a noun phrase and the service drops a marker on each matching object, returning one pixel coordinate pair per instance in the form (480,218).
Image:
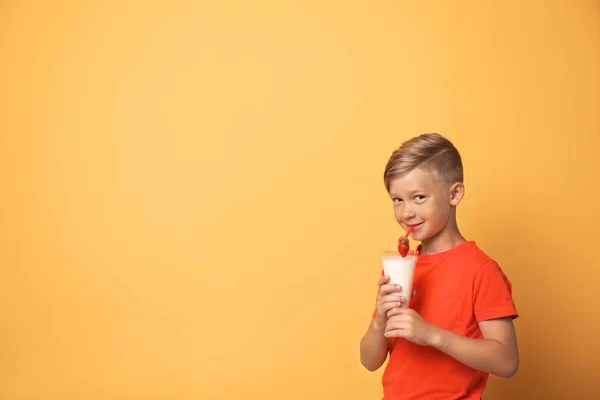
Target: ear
(456,193)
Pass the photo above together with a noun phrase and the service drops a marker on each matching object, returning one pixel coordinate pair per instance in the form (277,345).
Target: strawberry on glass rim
(403,243)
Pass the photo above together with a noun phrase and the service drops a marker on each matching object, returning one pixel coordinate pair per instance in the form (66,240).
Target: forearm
(487,355)
(373,347)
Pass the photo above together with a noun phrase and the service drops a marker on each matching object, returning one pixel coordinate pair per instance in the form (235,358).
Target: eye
(396,200)
(419,197)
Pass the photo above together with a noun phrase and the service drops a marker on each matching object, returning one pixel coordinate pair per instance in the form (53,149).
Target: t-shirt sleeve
(492,294)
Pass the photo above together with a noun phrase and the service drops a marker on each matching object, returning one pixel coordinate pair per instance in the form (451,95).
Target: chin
(418,237)
(421,236)
(418,234)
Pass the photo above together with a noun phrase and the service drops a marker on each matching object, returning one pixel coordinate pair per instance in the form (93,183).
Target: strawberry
(403,246)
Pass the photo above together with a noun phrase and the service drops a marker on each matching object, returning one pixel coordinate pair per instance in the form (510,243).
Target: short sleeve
(492,294)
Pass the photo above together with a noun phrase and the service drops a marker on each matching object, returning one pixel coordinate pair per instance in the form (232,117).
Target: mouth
(416,226)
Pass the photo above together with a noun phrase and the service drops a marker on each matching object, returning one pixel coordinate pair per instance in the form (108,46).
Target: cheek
(434,211)
(424,210)
(428,212)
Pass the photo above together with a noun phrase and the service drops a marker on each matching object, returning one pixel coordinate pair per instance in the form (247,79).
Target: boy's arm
(373,347)
(496,353)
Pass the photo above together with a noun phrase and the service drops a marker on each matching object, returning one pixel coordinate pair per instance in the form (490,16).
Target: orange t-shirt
(454,290)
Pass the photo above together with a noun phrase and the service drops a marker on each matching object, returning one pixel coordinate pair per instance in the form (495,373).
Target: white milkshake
(401,271)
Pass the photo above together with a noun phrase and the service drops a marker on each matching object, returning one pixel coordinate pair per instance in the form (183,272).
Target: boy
(459,325)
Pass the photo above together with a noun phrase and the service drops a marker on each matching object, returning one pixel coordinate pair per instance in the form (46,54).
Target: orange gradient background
(193,204)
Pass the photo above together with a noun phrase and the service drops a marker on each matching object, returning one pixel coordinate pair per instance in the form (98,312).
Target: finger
(395,325)
(385,308)
(396,333)
(392,298)
(396,314)
(404,314)
(389,288)
(396,311)
(393,312)
(382,280)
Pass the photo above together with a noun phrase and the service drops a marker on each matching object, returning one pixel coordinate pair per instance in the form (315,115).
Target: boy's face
(422,200)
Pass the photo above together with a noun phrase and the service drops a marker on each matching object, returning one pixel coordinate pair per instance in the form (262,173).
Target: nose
(408,212)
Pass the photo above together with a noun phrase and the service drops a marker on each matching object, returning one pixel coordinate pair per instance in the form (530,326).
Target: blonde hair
(429,151)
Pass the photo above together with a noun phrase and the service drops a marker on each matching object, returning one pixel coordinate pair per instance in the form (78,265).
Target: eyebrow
(410,192)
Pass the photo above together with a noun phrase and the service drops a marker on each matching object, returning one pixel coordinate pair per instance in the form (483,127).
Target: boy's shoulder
(476,253)
(468,268)
(472,251)
(469,257)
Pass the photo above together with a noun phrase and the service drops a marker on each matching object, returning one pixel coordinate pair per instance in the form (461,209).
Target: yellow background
(193,206)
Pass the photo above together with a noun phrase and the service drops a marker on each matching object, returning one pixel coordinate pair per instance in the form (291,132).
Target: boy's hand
(406,323)
(385,300)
